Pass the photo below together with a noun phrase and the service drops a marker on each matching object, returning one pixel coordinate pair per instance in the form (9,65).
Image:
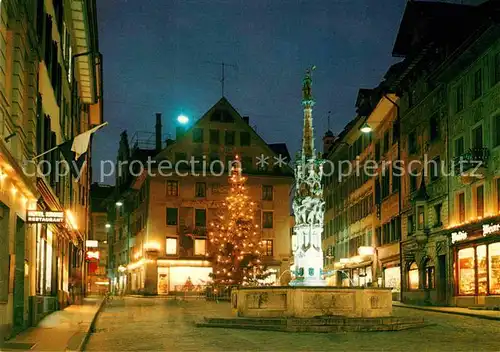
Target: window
(421,217)
(461,207)
(200,217)
(268,247)
(482,270)
(267,219)
(413,277)
(200,246)
(430,282)
(377,151)
(214,137)
(172,216)
(437,211)
(435,168)
(395,132)
(460,98)
(386,141)
(434,127)
(480,201)
(494,268)
(200,189)
(478,84)
(412,142)
(459,146)
(411,225)
(496,69)
(172,188)
(244,139)
(496,130)
(197,135)
(246,163)
(229,138)
(171,246)
(477,137)
(466,272)
(413,181)
(267,192)
(498,193)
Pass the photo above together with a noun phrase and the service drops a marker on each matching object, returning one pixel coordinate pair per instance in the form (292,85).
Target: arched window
(430,281)
(413,279)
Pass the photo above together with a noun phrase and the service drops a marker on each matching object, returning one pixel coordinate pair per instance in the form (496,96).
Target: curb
(89,330)
(472,315)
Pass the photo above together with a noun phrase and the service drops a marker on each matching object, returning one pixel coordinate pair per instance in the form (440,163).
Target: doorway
(19,276)
(441,282)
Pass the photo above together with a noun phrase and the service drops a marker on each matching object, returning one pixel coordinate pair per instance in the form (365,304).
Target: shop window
(480,201)
(494,267)
(392,278)
(267,192)
(200,247)
(482,270)
(268,247)
(171,246)
(413,276)
(466,272)
(201,189)
(430,282)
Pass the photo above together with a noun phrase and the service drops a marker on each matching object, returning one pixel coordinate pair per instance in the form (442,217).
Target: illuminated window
(172,188)
(413,277)
(494,268)
(482,270)
(466,272)
(171,246)
(200,247)
(268,247)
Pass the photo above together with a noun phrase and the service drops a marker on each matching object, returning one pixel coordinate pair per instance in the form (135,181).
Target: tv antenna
(223,66)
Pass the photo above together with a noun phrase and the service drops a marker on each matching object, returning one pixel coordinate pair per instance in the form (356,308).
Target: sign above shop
(44,217)
(488,229)
(91,244)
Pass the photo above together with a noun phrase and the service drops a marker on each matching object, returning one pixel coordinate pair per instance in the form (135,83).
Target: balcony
(472,164)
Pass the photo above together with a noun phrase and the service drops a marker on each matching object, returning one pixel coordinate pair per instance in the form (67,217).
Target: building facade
(47,97)
(160,241)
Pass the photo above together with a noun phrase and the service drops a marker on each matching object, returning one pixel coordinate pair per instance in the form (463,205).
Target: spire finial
(307,97)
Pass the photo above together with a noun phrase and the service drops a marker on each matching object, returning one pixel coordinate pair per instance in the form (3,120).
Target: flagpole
(45,152)
(57,146)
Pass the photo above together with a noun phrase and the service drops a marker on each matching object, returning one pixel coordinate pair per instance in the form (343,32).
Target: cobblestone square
(156,324)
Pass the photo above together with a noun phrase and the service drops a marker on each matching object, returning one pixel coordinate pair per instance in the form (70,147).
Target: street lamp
(108,226)
(366,128)
(119,203)
(182,119)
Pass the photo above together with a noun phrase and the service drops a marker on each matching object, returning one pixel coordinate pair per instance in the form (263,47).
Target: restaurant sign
(44,217)
(488,229)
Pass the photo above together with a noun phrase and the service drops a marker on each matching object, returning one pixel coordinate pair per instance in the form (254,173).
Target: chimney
(246,119)
(158,132)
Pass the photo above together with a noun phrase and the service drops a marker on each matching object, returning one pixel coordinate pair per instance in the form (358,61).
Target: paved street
(155,324)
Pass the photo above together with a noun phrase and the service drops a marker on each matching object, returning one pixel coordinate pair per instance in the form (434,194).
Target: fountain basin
(309,302)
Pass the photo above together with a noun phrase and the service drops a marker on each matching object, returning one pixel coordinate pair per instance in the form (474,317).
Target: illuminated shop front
(477,265)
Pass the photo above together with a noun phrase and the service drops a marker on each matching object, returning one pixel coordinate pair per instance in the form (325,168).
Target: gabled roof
(425,21)
(223,111)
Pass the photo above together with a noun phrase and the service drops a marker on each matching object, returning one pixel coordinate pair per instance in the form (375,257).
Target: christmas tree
(235,243)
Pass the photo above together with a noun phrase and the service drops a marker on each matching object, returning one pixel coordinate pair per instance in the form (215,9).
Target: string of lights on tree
(235,241)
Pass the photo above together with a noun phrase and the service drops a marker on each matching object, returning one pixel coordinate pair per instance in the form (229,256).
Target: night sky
(159,56)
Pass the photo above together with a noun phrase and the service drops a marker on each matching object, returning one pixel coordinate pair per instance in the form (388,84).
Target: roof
(280,149)
(425,21)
